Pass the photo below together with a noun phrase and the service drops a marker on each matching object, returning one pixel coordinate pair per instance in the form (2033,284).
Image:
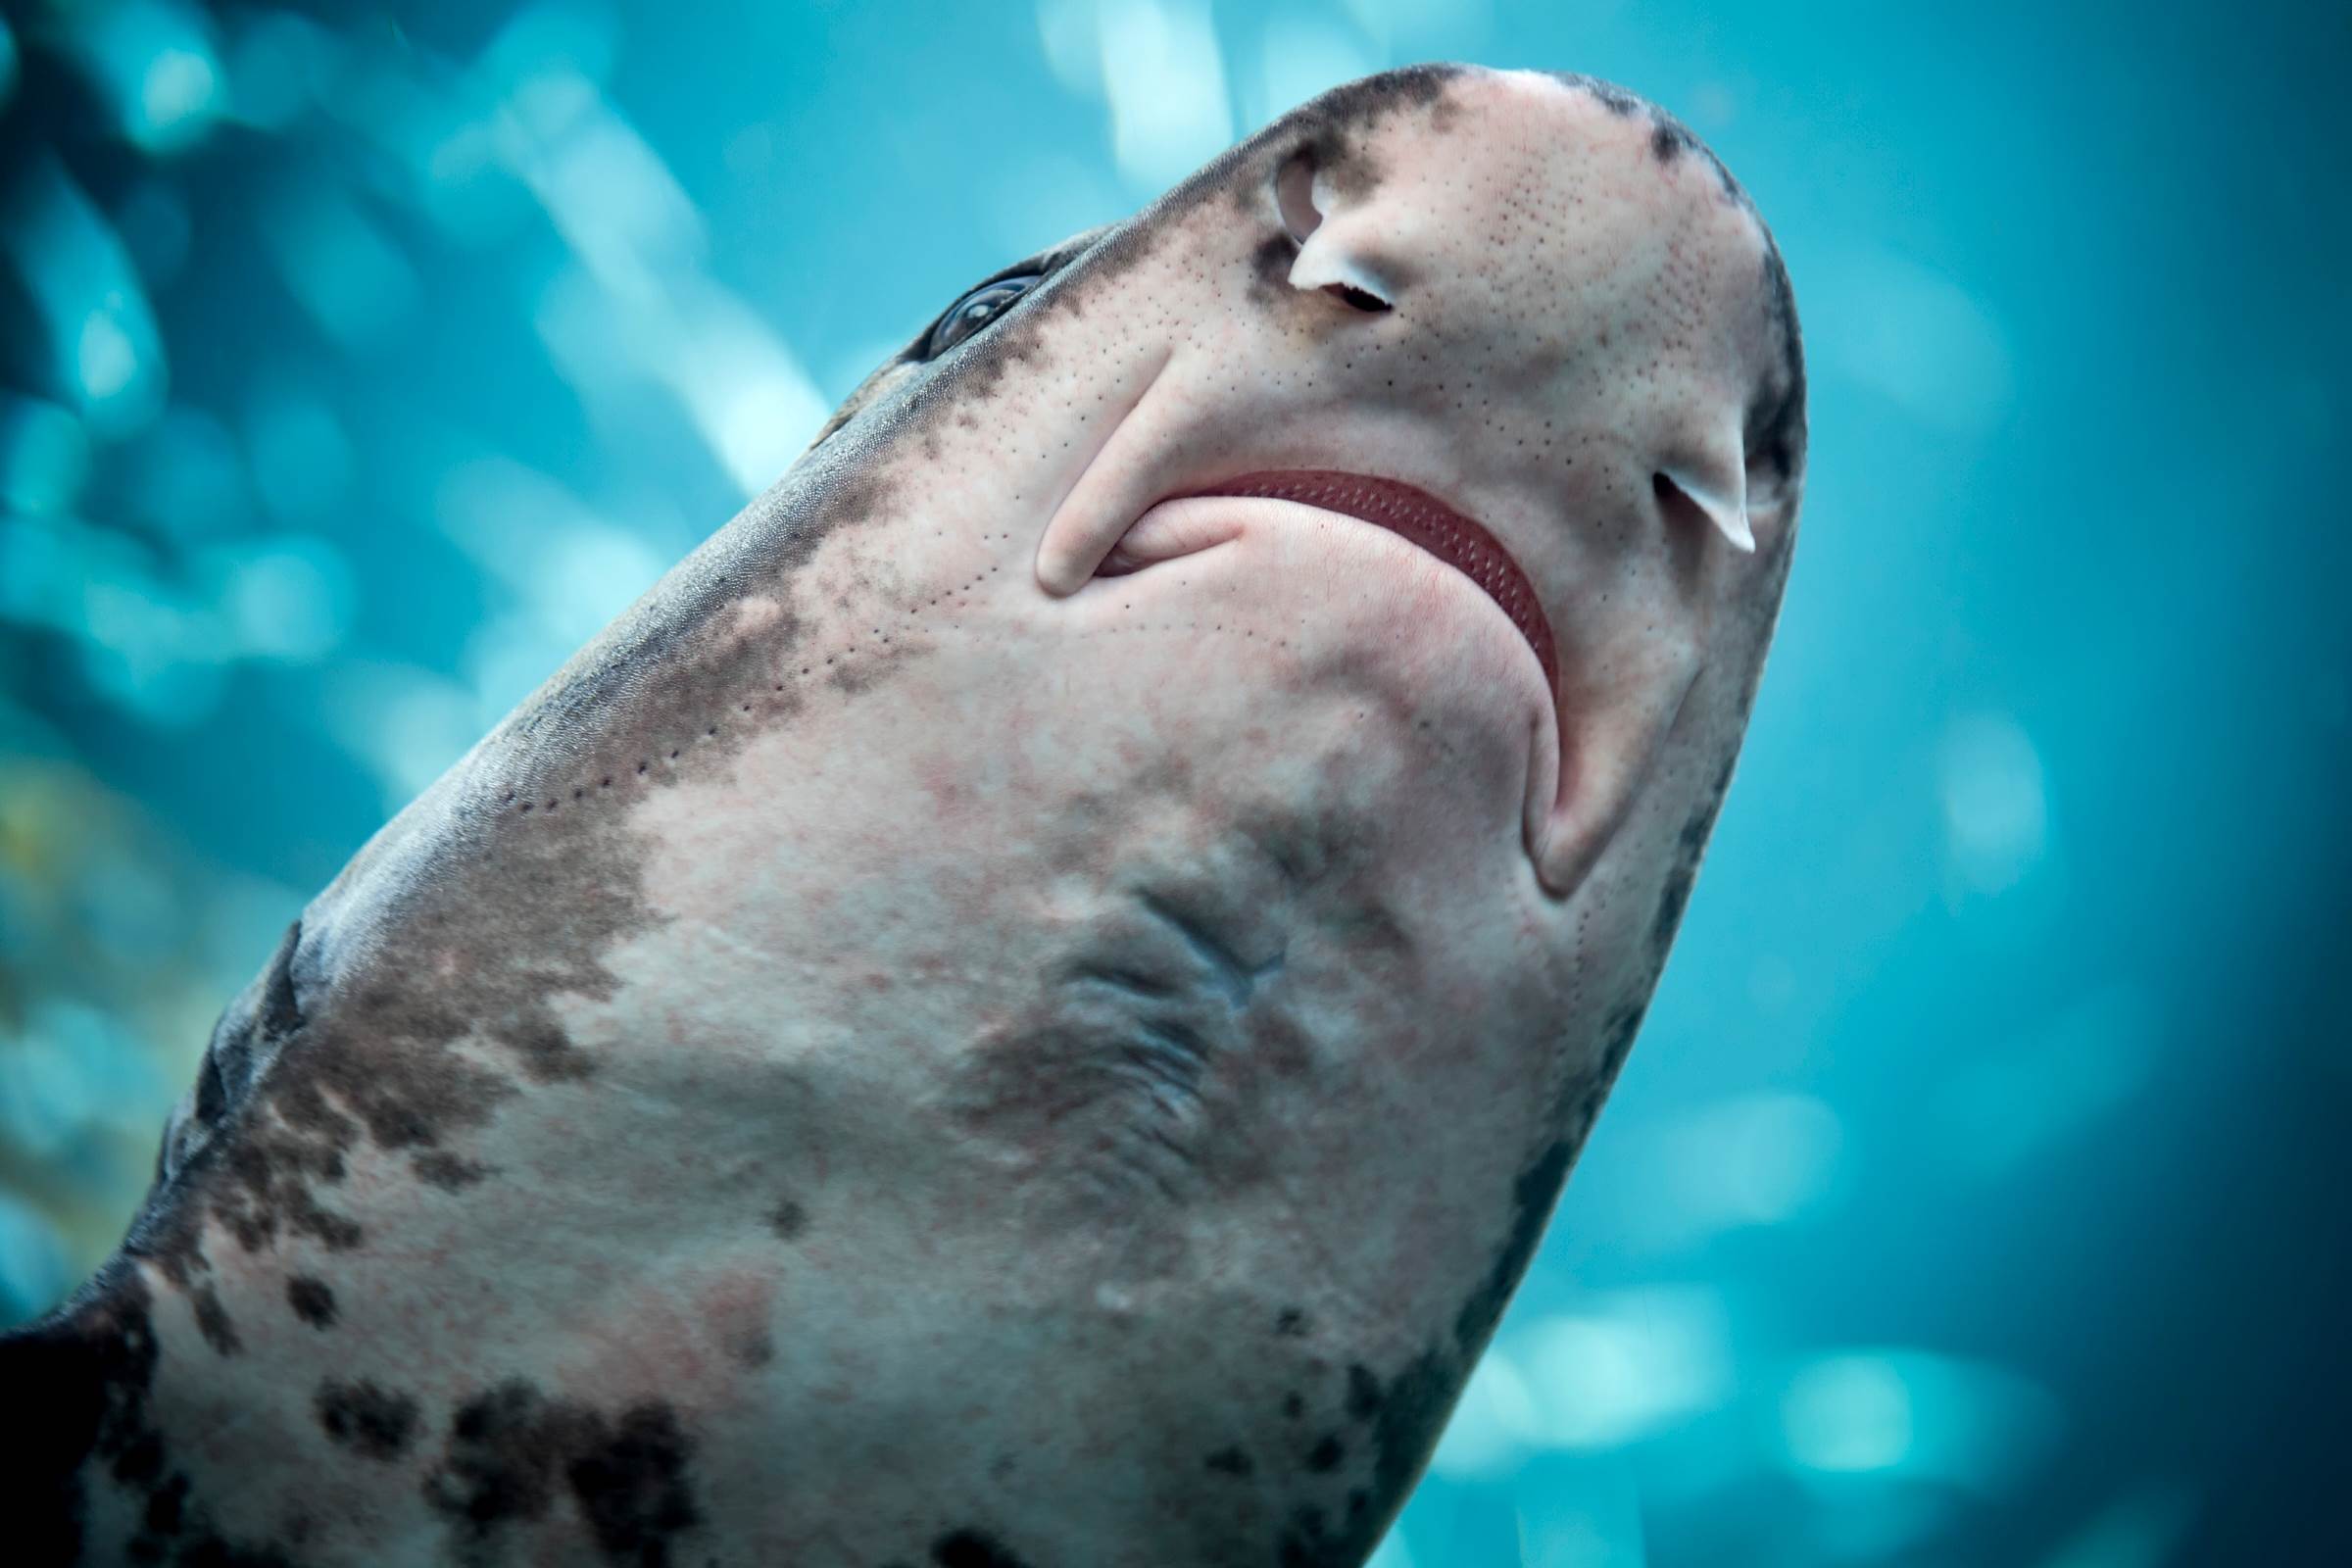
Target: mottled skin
(907,1052)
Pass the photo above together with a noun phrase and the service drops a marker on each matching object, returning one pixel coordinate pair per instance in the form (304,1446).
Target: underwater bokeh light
(1973,1195)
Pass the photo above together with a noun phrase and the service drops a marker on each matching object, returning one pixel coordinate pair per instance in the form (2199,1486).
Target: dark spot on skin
(1623,1024)
(1669,137)
(506,1448)
(1291,1323)
(1363,1392)
(1775,433)
(974,1548)
(788,1220)
(214,1323)
(511,1449)
(1342,164)
(371,1420)
(1407,1413)
(1412,1411)
(1230,1462)
(244,1041)
(167,1511)
(1307,1542)
(491,916)
(1615,99)
(313,1301)
(632,1486)
(449,1172)
(1532,1197)
(1294,1404)
(206,1549)
(87,1369)
(1270,268)
(139,1464)
(1671,901)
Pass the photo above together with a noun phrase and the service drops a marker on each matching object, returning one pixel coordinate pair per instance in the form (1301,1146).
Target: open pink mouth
(1420,518)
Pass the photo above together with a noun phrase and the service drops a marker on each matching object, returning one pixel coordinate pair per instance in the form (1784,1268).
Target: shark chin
(1030,1003)
(1447,597)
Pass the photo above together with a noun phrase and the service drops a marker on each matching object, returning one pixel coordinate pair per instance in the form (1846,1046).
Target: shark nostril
(1690,504)
(1361,299)
(1295,195)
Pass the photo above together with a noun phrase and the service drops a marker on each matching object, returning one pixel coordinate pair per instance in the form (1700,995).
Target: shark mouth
(1420,518)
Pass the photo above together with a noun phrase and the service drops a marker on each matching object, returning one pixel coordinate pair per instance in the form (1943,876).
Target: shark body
(1030,1003)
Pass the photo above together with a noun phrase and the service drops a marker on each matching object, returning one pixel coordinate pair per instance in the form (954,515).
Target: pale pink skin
(840,1162)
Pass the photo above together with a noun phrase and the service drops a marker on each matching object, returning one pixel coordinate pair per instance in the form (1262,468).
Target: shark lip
(1419,518)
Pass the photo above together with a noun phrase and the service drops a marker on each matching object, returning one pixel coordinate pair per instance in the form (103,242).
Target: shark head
(1035,996)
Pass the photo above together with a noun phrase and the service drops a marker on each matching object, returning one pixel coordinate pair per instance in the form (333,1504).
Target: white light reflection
(1165,81)
(404,724)
(300,454)
(339,264)
(1071,33)
(1300,56)
(1493,1424)
(107,354)
(44,455)
(2018,1097)
(34,1270)
(1917,1415)
(278,65)
(1627,1367)
(1995,808)
(640,241)
(153,65)
(1585,1516)
(1422,29)
(1916,337)
(143,644)
(1158,65)
(1753,1159)
(287,598)
(1392,1552)
(570,568)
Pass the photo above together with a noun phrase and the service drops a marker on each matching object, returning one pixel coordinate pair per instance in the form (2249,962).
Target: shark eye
(975,311)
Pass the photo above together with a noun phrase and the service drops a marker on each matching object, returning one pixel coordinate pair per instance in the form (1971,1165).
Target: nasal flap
(1717,485)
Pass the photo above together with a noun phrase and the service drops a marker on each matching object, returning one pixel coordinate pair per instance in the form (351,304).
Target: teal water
(1976,1195)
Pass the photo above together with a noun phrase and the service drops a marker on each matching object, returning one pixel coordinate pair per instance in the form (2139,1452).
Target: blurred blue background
(1977,1193)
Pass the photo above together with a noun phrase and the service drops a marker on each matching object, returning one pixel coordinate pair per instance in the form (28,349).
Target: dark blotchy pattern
(511,1452)
(89,1371)
(369,1419)
(974,1548)
(633,1487)
(313,1301)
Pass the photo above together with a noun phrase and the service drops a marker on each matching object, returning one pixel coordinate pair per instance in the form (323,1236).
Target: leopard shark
(1031,1001)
